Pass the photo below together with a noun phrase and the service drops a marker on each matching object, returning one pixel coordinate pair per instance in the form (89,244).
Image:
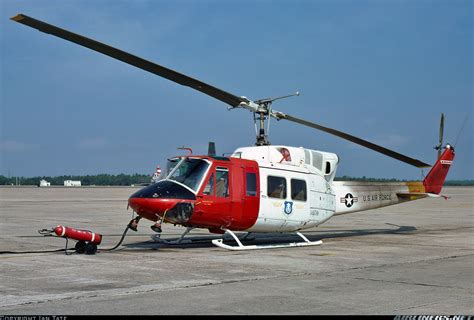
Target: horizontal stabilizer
(419,195)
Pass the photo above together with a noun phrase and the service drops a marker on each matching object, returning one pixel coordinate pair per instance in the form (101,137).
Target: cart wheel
(80,247)
(91,248)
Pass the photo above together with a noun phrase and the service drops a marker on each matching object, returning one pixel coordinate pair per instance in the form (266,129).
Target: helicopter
(263,188)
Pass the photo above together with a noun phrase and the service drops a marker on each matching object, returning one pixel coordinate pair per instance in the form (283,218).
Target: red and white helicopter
(262,188)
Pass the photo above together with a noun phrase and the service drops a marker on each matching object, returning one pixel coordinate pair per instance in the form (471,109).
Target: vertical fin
(435,179)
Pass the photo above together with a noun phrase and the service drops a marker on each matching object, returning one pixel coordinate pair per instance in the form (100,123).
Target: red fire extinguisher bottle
(79,235)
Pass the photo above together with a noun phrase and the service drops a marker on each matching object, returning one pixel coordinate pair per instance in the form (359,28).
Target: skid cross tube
(240,246)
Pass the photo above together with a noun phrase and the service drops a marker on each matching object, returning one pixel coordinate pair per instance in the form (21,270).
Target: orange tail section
(435,179)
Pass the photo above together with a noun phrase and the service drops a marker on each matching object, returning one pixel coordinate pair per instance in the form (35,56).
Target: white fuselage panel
(284,213)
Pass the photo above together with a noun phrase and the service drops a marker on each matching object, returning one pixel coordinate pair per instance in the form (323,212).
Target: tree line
(88,180)
(138,179)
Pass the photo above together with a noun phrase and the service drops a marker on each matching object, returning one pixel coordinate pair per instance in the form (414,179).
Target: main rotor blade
(131,59)
(367,144)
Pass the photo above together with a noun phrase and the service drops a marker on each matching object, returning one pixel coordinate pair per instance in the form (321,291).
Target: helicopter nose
(151,208)
(156,199)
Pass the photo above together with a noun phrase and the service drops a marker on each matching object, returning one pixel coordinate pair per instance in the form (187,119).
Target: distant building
(44,183)
(72,183)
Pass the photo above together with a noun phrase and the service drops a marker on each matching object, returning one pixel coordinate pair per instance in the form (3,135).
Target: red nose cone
(154,200)
(150,208)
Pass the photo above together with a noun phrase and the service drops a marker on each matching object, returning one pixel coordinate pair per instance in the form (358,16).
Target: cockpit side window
(222,182)
(251,184)
(209,189)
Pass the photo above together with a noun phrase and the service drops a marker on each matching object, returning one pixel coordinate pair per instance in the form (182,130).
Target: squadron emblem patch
(288,207)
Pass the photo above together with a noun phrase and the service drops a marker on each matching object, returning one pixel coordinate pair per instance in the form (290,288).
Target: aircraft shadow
(200,241)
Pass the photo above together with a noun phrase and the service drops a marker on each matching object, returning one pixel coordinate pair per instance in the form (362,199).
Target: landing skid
(157,238)
(220,243)
(180,240)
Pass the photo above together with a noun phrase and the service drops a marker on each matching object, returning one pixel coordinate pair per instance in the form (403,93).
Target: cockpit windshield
(171,164)
(190,172)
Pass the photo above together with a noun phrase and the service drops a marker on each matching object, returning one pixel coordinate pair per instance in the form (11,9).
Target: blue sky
(380,70)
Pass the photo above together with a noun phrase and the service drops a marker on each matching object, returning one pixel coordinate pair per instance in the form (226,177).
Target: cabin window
(209,189)
(222,182)
(251,184)
(298,190)
(276,187)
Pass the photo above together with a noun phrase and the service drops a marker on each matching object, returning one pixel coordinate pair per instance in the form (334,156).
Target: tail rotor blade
(441,130)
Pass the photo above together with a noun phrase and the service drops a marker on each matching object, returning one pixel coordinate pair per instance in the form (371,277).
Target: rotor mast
(264,113)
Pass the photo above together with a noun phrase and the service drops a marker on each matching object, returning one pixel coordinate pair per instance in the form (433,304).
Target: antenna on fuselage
(211,149)
(188,149)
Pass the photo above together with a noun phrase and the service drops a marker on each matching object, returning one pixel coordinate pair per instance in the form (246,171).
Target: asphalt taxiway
(412,258)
